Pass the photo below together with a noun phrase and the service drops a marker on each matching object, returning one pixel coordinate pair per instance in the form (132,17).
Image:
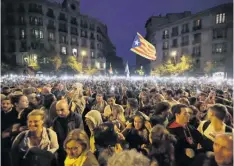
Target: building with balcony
(207,36)
(33,26)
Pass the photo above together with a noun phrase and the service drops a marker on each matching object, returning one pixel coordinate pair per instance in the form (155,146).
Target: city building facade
(207,36)
(30,27)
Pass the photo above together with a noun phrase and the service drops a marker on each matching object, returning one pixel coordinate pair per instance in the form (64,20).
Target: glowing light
(83,53)
(173,53)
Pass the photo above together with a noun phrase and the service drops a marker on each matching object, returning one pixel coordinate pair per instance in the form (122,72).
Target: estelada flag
(143,48)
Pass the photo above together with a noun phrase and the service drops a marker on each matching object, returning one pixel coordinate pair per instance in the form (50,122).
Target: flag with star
(143,48)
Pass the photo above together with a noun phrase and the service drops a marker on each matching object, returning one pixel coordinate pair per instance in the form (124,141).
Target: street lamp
(173,54)
(83,53)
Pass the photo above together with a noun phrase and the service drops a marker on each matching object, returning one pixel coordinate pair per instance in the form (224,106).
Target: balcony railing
(63,30)
(165,36)
(196,41)
(184,43)
(196,28)
(74,33)
(174,34)
(32,10)
(174,45)
(197,54)
(51,27)
(50,14)
(183,31)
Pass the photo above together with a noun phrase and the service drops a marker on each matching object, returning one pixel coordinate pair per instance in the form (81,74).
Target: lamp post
(83,53)
(173,54)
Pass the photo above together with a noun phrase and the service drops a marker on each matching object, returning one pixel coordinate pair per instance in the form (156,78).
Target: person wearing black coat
(187,136)
(65,122)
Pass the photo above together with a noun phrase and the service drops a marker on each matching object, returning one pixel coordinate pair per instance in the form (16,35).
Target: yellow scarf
(75,162)
(92,144)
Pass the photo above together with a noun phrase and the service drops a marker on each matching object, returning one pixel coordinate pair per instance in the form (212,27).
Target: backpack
(37,157)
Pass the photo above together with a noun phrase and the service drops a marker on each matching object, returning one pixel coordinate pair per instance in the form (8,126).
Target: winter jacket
(187,137)
(73,121)
(43,155)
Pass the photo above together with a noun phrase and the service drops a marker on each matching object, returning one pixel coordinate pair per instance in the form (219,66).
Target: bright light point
(173,53)
(83,53)
(112,88)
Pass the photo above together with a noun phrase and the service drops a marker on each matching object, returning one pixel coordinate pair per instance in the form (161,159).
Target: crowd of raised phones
(116,122)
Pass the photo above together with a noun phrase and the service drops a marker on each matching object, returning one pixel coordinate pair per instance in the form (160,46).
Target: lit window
(98,65)
(64,50)
(36,33)
(220,18)
(22,33)
(41,35)
(35,21)
(51,36)
(74,52)
(165,32)
(22,19)
(165,44)
(104,65)
(74,40)
(92,54)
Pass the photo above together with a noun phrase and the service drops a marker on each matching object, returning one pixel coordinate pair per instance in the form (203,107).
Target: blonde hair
(38,112)
(129,158)
(79,136)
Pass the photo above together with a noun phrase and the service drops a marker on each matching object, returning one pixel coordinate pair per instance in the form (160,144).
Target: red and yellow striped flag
(144,48)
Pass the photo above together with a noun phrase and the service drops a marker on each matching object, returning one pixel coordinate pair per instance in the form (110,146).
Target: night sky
(126,17)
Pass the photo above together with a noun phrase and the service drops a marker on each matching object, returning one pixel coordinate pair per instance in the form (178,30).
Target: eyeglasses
(72,149)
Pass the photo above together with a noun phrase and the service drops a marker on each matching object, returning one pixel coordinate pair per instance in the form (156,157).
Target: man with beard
(9,117)
(65,122)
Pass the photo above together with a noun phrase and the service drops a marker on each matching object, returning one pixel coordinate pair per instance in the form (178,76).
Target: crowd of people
(116,122)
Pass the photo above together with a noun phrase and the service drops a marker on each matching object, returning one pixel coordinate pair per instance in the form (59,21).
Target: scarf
(77,161)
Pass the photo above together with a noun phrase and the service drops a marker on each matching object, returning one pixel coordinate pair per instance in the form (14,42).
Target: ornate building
(207,36)
(32,27)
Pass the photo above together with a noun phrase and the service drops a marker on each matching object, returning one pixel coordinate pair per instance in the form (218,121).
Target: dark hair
(192,100)
(179,91)
(176,109)
(105,135)
(220,111)
(48,100)
(170,92)
(162,145)
(154,90)
(5,88)
(16,98)
(111,96)
(161,107)
(133,102)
